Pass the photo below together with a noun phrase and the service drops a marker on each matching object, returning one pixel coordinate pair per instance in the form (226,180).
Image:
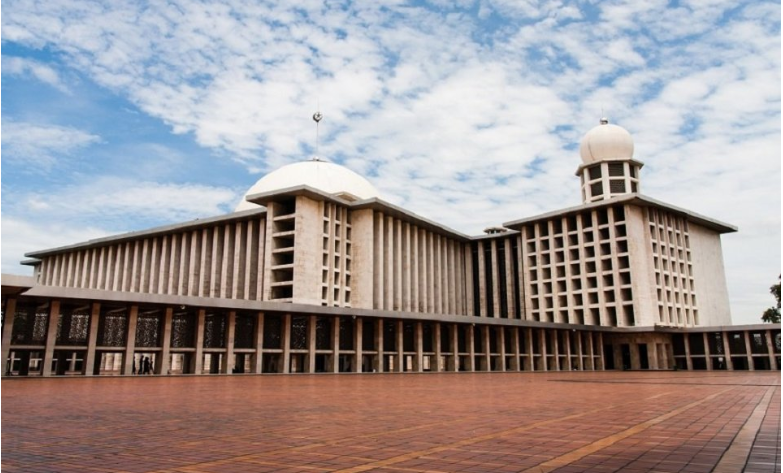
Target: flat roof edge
(719,328)
(16,280)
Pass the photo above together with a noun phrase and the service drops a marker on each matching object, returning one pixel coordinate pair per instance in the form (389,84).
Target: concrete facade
(315,281)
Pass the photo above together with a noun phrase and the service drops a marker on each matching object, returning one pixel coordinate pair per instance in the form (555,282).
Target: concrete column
(287,343)
(556,350)
(51,337)
(707,357)
(580,362)
(379,345)
(469,282)
(311,327)
(617,355)
(198,362)
(164,364)
(664,361)
(389,255)
(454,365)
(529,364)
(336,345)
(688,360)
(482,281)
(727,351)
(406,256)
(438,348)
(358,340)
(635,356)
(8,331)
(130,344)
(542,364)
(228,357)
(419,343)
(510,276)
(415,261)
(773,362)
(259,343)
(92,339)
(400,348)
(515,348)
(569,365)
(379,272)
(591,351)
(493,261)
(501,331)
(471,348)
(653,356)
(397,265)
(601,360)
(485,342)
(748,351)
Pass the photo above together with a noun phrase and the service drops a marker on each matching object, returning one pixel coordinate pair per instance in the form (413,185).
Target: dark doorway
(24,363)
(643,361)
(761,363)
(625,353)
(239,363)
(608,357)
(214,363)
(320,364)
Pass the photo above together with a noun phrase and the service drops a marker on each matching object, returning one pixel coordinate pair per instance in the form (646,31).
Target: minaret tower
(608,168)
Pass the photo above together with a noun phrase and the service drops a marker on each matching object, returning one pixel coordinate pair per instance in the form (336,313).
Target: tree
(772,315)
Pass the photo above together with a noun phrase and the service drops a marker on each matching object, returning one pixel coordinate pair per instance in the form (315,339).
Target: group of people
(145,366)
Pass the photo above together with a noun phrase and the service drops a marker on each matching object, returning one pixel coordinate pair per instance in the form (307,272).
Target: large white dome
(606,142)
(324,176)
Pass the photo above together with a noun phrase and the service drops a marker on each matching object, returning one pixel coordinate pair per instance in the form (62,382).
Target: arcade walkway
(482,422)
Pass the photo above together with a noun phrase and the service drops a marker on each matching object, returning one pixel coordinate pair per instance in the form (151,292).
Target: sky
(120,116)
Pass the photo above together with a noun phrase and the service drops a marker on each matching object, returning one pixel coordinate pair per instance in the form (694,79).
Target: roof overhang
(40,291)
(263,198)
(16,284)
(267,307)
(629,199)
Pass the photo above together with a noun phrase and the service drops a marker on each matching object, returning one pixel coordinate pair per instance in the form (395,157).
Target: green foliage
(772,315)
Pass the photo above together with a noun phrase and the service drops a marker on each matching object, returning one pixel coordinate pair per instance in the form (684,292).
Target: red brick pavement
(504,422)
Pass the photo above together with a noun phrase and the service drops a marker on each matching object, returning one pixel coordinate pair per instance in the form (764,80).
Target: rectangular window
(596,189)
(617,186)
(616,169)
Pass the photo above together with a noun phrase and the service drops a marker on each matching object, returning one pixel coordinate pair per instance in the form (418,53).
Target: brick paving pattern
(472,423)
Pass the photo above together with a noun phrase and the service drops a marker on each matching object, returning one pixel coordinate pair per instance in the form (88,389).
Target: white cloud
(117,200)
(20,236)
(29,68)
(40,146)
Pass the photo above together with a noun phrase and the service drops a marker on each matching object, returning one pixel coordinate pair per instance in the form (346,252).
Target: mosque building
(314,272)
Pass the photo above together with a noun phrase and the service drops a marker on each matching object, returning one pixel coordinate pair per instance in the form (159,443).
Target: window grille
(617,186)
(616,169)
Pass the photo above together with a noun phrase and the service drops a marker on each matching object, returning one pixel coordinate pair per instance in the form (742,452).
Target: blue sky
(117,116)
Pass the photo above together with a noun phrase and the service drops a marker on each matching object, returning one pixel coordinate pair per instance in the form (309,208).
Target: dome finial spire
(604,121)
(317,117)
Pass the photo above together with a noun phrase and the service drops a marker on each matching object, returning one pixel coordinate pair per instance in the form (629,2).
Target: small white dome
(606,142)
(324,176)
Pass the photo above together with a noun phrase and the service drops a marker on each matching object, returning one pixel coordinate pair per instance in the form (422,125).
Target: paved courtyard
(505,422)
